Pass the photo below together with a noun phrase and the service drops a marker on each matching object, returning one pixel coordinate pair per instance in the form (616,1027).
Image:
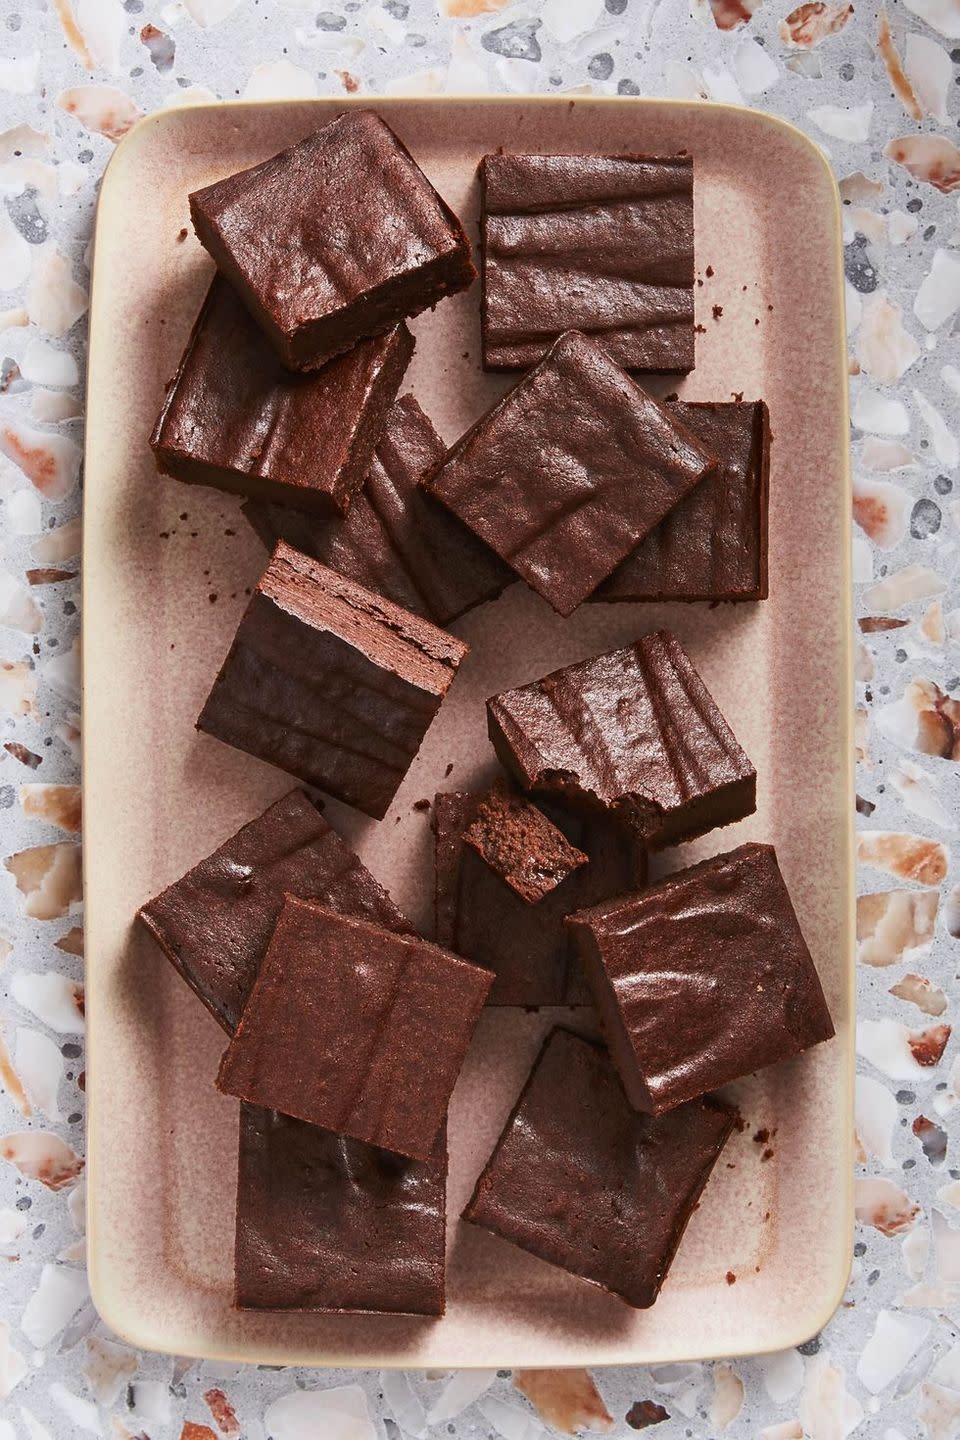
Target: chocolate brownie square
(355,1028)
(702,978)
(326,1223)
(569,471)
(633,734)
(584,1182)
(598,243)
(215,922)
(335,239)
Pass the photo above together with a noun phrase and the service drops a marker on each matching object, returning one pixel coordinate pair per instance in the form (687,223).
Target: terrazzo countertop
(879,93)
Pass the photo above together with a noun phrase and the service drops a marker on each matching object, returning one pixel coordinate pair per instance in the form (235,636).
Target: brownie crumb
(731,1278)
(182,233)
(709,272)
(421,805)
(717,311)
(762,1136)
(212,597)
(767,1154)
(700,329)
(448,771)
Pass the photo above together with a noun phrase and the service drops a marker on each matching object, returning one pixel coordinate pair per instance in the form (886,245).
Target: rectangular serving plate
(167,569)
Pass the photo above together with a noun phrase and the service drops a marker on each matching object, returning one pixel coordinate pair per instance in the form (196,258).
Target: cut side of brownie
(331,682)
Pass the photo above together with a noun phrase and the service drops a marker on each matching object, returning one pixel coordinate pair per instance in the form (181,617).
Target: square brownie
(527,946)
(598,243)
(569,471)
(634,734)
(702,978)
(331,682)
(355,1028)
(333,240)
(395,539)
(215,922)
(326,1223)
(520,844)
(584,1182)
(713,545)
(233,417)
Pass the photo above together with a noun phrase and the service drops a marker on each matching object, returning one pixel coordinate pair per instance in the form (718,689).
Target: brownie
(527,946)
(702,978)
(330,681)
(634,734)
(395,539)
(584,1182)
(713,545)
(355,1028)
(335,239)
(520,844)
(599,243)
(214,924)
(233,417)
(326,1223)
(569,471)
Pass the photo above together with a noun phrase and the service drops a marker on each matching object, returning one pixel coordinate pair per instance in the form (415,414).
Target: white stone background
(74,74)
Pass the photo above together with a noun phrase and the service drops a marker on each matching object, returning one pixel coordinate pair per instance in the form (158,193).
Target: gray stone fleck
(326,20)
(600,67)
(24,213)
(858,267)
(943,484)
(925,519)
(516,41)
(628,87)
(7,796)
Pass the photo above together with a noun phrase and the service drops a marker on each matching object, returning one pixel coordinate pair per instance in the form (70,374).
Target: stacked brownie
(348,1029)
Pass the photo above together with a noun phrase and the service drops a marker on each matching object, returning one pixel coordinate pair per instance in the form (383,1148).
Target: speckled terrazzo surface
(881,98)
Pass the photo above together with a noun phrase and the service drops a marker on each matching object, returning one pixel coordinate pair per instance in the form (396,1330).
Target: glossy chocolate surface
(520,845)
(569,471)
(394,538)
(702,978)
(335,239)
(713,545)
(602,244)
(355,1028)
(584,1182)
(214,924)
(527,946)
(633,733)
(325,1223)
(233,417)
(330,681)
